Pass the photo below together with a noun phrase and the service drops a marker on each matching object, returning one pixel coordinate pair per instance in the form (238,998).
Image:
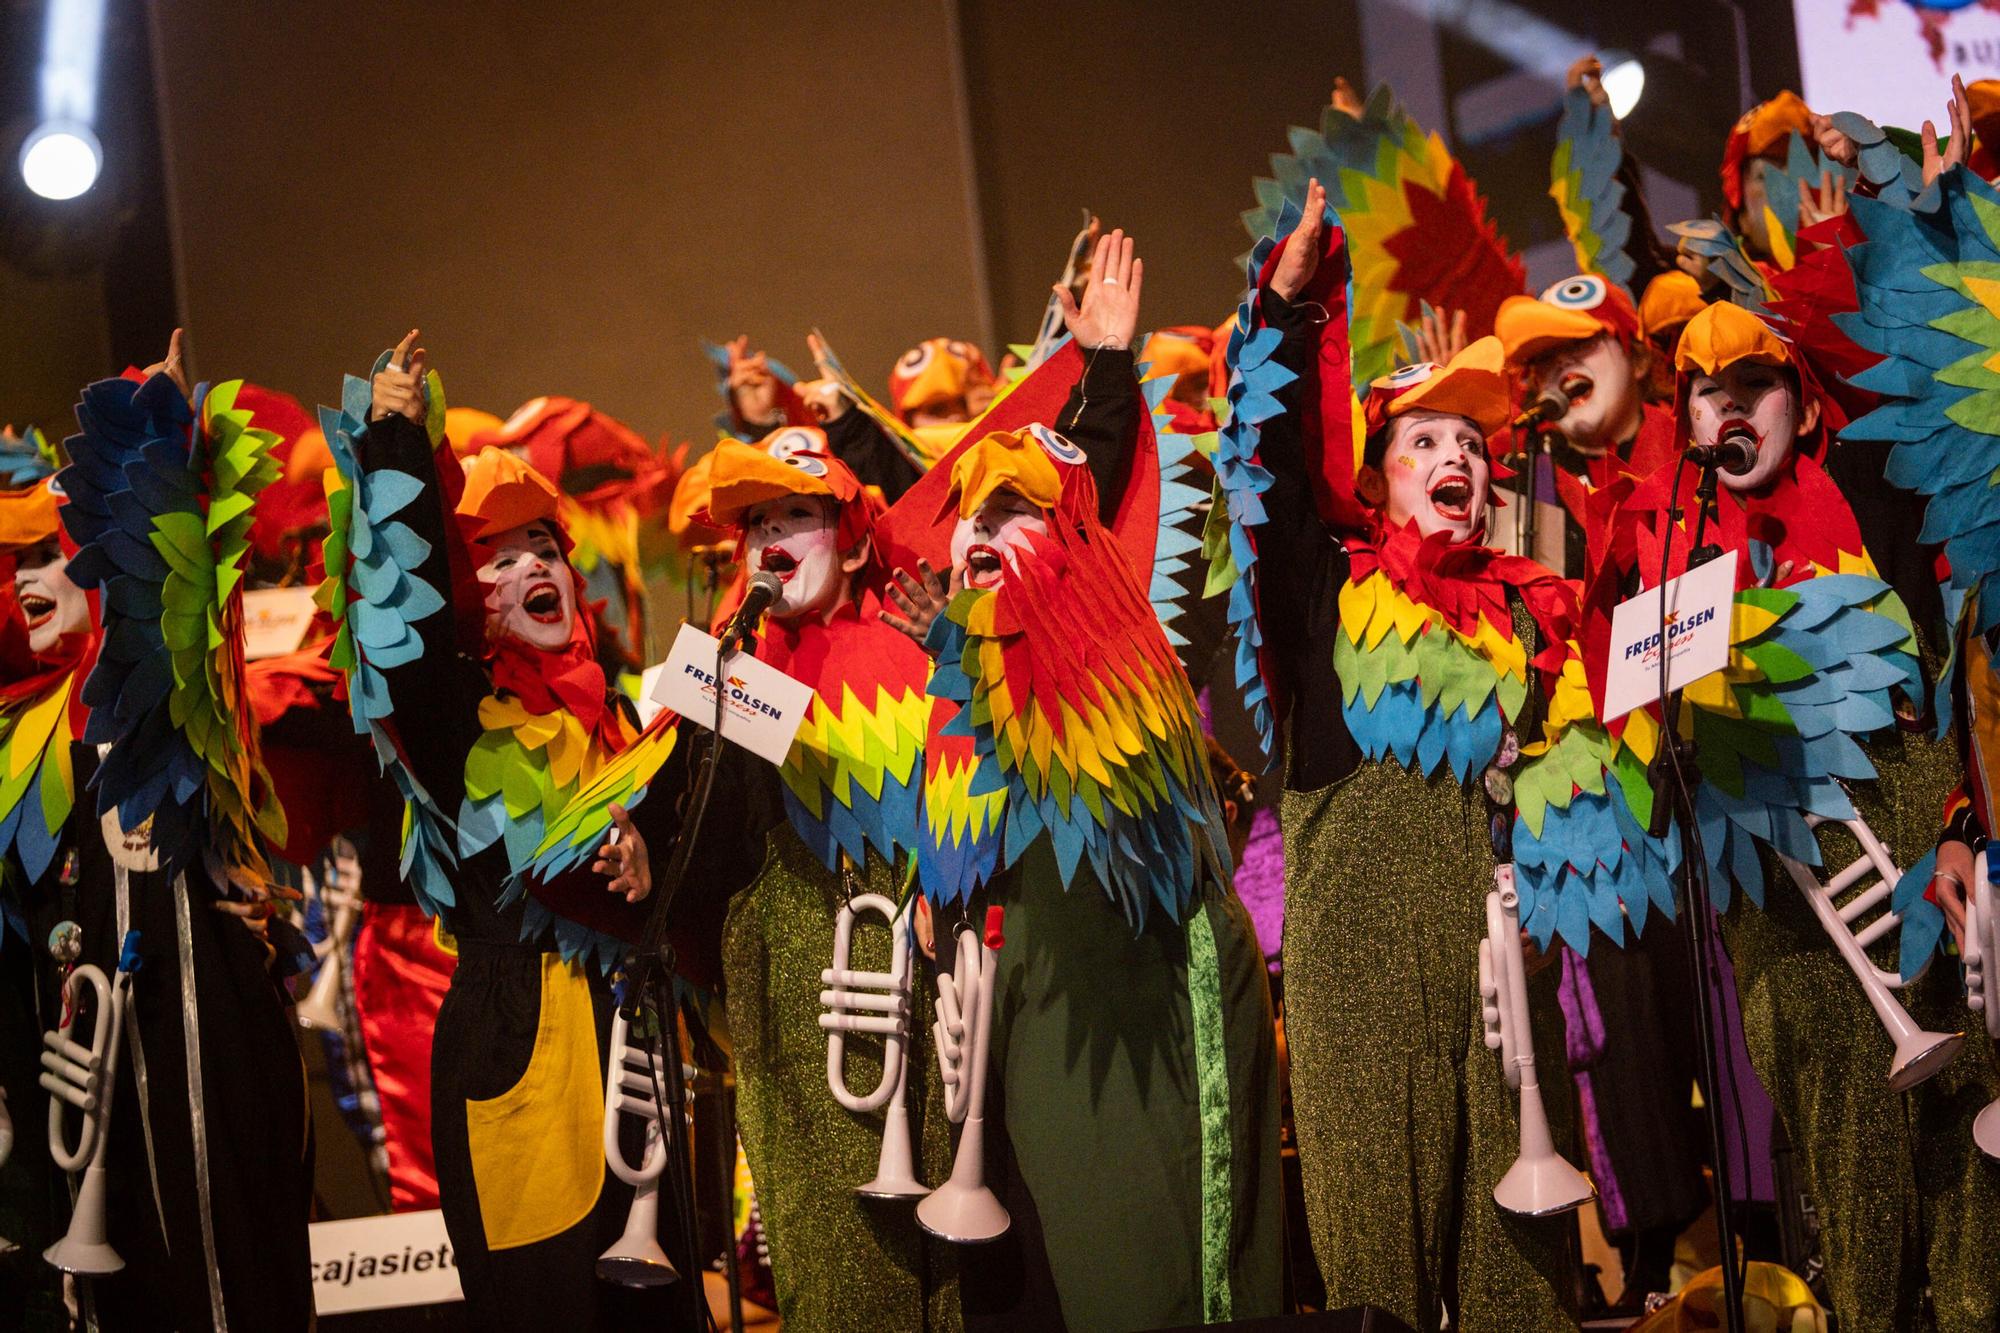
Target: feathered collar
(1802,517)
(1463,582)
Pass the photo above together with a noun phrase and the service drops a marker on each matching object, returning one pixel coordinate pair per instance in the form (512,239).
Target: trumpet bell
(640,1264)
(963,1214)
(84,1249)
(1542,1186)
(1986,1129)
(1920,1054)
(317,1012)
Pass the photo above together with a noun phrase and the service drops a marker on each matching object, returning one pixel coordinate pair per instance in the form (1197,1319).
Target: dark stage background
(568,198)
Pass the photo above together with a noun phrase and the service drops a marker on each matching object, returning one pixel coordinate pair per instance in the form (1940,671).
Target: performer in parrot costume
(1404,660)
(758,913)
(1067,782)
(473,673)
(1837,630)
(1580,339)
(137,821)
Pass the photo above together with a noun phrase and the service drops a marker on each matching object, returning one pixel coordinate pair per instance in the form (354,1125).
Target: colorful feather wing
(1236,512)
(1182,507)
(37,786)
(1583,180)
(1928,284)
(854,777)
(1416,226)
(1419,689)
(160,511)
(1708,239)
(1581,856)
(563,899)
(375,597)
(1811,669)
(1087,719)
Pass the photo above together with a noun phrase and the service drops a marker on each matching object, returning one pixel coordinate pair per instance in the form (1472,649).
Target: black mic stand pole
(649,973)
(1673,777)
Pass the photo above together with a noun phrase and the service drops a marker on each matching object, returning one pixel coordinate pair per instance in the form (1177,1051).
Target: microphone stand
(649,973)
(1673,777)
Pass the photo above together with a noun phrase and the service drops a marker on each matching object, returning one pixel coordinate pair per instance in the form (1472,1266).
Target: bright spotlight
(61,161)
(1624,79)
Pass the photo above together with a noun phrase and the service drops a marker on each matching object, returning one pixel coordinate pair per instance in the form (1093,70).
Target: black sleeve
(435,698)
(865,447)
(1300,567)
(1890,517)
(1102,419)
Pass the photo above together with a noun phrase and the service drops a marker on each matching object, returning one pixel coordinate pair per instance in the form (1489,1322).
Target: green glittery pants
(1902,1194)
(1405,1121)
(1132,1114)
(839,1262)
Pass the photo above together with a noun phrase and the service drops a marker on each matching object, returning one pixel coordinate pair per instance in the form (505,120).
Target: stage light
(1624,80)
(61,160)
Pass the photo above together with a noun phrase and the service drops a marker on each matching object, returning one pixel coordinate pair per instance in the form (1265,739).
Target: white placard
(1694,627)
(379,1263)
(1893,62)
(762,706)
(275,621)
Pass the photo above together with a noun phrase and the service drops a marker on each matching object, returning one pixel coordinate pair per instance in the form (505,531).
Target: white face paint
(530,591)
(1435,473)
(1603,391)
(1755,397)
(797,537)
(54,607)
(997,530)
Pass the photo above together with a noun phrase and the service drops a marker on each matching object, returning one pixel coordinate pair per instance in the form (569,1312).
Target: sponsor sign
(379,1263)
(762,706)
(1690,625)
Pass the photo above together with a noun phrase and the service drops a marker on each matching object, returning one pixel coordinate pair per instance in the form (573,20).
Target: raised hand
(399,389)
(1109,315)
(172,367)
(824,397)
(1831,141)
(1936,163)
(1588,74)
(623,858)
(1345,100)
(920,599)
(752,386)
(1440,335)
(1301,258)
(1828,201)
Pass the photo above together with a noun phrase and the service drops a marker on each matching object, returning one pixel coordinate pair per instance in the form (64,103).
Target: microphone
(765,588)
(1551,406)
(1735,453)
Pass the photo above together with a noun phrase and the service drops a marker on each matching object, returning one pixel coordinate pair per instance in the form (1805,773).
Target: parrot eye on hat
(1056,446)
(803,449)
(1411,375)
(914,360)
(1585,291)
(957,348)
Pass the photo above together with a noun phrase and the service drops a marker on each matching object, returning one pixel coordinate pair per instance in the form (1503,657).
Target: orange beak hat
(501,493)
(1570,311)
(28,515)
(1763,131)
(937,370)
(1472,384)
(1671,300)
(792,460)
(1043,467)
(1725,333)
